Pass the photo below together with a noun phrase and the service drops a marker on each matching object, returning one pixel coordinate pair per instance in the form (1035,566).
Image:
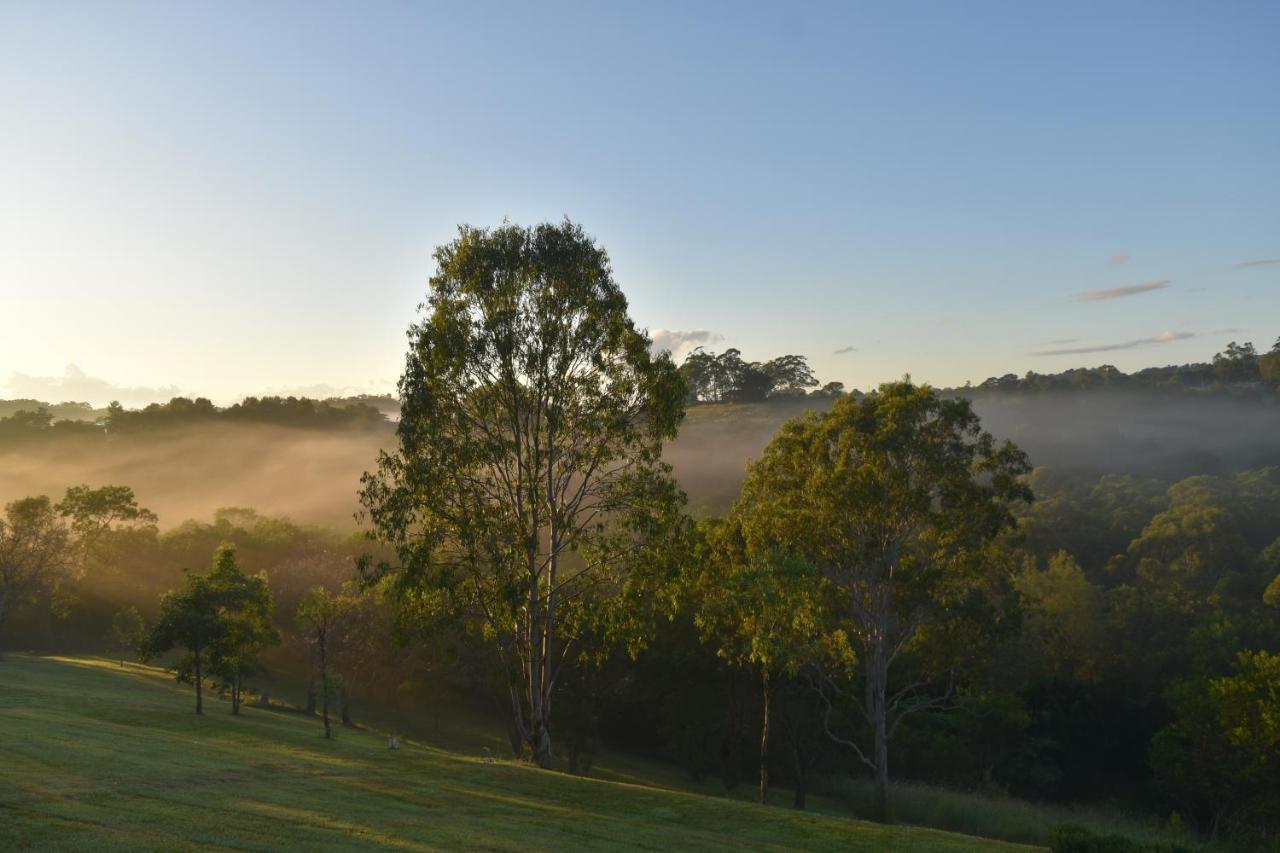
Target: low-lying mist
(307,475)
(1165,435)
(313,476)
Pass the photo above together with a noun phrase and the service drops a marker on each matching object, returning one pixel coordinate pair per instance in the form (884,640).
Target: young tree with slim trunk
(318,615)
(761,611)
(190,619)
(892,498)
(244,606)
(528,480)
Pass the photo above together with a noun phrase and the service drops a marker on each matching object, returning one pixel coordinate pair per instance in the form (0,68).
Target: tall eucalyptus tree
(528,486)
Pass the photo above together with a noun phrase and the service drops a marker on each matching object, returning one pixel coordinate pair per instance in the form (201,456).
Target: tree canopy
(221,620)
(727,378)
(528,482)
(892,498)
(34,551)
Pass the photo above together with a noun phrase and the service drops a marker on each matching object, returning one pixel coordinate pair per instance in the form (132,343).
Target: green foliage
(1075,839)
(35,552)
(1236,365)
(61,411)
(245,611)
(128,631)
(1248,707)
(1269,364)
(221,620)
(319,617)
(893,499)
(1220,760)
(189,619)
(21,427)
(528,481)
(299,412)
(95,512)
(1123,586)
(1063,617)
(726,378)
(1271,595)
(762,611)
(757,609)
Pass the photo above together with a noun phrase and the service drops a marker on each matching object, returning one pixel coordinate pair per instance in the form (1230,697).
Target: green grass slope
(98,757)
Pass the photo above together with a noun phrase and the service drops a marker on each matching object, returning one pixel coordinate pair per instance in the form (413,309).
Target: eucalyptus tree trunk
(877,678)
(538,641)
(802,777)
(877,682)
(324,683)
(532,420)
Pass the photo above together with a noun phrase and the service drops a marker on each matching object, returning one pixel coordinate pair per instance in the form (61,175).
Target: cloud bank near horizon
(74,385)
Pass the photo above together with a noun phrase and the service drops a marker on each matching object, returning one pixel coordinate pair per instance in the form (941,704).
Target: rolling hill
(95,756)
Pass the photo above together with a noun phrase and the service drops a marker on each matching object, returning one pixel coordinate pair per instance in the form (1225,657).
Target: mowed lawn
(98,757)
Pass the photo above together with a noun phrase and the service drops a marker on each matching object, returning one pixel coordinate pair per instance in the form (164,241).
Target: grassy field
(98,757)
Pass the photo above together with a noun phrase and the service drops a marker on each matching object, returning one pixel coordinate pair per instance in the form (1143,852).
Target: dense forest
(1102,627)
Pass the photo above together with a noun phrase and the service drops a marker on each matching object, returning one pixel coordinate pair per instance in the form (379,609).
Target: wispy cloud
(323,390)
(1259,263)
(845,350)
(1228,331)
(1162,338)
(76,385)
(1061,341)
(1120,292)
(1119,259)
(679,343)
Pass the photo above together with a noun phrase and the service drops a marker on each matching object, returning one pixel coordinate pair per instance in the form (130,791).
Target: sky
(229,198)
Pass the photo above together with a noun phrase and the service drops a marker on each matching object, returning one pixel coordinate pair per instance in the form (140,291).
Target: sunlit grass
(94,756)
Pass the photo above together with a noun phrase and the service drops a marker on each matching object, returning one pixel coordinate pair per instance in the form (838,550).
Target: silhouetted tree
(35,551)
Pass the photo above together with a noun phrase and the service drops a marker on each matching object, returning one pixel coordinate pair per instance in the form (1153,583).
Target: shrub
(1076,839)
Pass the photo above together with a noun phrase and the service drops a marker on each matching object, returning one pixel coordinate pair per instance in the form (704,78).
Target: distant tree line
(1238,367)
(301,412)
(70,411)
(725,377)
(709,377)
(40,422)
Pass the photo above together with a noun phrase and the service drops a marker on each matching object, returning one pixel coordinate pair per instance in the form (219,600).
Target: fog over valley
(312,476)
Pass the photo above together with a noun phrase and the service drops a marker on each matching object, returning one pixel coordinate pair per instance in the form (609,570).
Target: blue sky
(237,198)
